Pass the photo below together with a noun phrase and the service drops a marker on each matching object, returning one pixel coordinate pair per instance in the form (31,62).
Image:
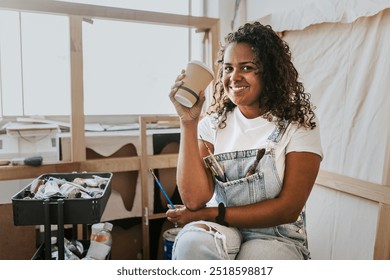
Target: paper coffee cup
(198,77)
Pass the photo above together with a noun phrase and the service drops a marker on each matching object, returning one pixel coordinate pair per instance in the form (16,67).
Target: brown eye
(227,69)
(248,68)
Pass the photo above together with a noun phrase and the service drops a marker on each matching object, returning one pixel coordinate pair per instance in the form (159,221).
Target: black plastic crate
(75,210)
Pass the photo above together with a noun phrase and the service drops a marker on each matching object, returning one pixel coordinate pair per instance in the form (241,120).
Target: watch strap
(220,219)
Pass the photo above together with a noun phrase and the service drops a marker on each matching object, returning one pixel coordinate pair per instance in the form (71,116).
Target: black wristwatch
(220,219)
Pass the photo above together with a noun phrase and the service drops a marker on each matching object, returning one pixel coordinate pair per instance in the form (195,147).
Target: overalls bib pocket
(234,186)
(242,191)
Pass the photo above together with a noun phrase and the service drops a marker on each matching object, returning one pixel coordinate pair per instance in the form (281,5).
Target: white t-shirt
(241,133)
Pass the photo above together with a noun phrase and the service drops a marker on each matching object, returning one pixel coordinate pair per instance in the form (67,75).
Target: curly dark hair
(283,97)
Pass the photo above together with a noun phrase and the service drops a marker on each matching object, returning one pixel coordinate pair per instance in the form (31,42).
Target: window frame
(78,13)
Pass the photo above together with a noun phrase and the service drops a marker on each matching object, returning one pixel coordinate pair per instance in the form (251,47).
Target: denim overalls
(239,188)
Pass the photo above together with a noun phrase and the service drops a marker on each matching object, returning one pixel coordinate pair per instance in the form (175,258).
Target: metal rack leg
(86,234)
(60,229)
(47,228)
(74,232)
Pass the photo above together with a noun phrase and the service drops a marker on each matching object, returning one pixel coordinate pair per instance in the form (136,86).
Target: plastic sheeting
(341,51)
(346,69)
(344,63)
(312,12)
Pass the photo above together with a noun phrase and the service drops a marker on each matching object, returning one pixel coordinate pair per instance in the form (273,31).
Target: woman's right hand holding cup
(186,114)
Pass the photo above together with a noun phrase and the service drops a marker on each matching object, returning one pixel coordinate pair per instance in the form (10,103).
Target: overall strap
(278,132)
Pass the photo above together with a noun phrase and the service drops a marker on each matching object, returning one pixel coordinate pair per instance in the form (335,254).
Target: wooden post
(78,151)
(382,240)
(144,188)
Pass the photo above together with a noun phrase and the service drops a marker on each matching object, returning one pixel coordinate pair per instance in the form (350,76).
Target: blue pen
(162,189)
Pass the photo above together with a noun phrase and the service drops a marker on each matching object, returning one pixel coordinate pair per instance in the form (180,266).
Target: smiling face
(242,79)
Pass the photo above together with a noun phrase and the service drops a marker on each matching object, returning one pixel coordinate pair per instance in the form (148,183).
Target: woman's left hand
(180,215)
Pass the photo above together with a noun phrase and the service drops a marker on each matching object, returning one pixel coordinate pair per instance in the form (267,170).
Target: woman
(246,170)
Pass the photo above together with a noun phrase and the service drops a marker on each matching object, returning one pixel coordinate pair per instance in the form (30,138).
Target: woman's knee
(199,241)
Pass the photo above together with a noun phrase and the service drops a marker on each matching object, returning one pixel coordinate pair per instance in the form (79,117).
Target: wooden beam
(96,165)
(353,186)
(215,41)
(143,121)
(27,172)
(112,13)
(78,152)
(382,240)
(162,161)
(121,164)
